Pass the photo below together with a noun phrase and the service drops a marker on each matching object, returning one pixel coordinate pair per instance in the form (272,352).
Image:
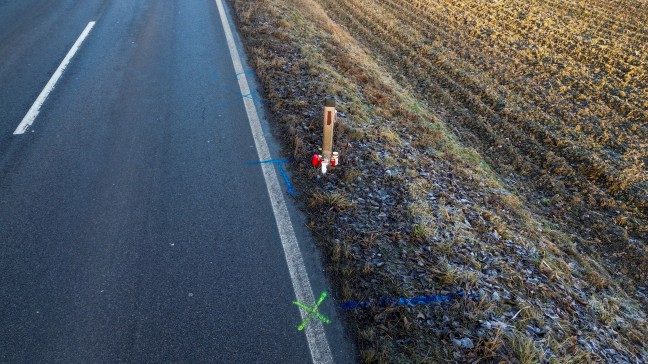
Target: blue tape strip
(418,300)
(291,190)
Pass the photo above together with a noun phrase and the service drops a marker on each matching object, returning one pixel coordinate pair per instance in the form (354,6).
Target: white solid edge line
(35,109)
(319,347)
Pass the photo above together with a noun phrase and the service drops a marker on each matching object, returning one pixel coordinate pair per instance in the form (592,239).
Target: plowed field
(553,93)
(493,148)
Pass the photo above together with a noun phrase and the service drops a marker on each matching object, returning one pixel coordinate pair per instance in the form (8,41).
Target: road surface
(131,227)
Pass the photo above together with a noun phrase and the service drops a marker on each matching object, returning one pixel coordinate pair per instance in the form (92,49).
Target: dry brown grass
(333,201)
(457,223)
(524,348)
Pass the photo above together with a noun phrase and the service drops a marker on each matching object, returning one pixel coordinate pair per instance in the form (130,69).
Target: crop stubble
(554,94)
(414,212)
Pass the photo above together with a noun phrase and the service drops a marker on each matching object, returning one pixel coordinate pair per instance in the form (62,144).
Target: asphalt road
(131,229)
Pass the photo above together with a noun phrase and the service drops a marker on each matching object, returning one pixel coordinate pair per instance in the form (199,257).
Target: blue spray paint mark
(418,300)
(278,162)
(252,96)
(218,77)
(271,161)
(291,190)
(245,73)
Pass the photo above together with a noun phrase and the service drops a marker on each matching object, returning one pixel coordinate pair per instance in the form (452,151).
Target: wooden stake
(329,124)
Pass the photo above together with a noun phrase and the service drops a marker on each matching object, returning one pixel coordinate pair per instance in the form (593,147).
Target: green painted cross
(313,312)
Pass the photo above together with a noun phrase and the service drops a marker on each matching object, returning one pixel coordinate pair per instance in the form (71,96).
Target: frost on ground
(432,199)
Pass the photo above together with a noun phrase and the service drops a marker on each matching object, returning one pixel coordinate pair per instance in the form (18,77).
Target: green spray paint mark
(313,312)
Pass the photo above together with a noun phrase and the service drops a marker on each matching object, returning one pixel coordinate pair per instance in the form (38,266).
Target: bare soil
(492,148)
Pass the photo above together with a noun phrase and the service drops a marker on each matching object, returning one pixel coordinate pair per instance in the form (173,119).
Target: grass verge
(412,211)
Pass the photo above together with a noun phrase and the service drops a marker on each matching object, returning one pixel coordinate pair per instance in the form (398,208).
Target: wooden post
(329,124)
(328,156)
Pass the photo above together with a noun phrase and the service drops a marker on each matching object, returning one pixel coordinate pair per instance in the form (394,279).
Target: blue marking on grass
(418,300)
